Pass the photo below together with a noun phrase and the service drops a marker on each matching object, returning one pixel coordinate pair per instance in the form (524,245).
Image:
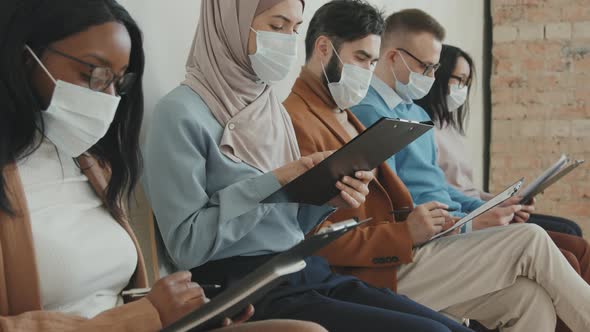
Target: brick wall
(541,98)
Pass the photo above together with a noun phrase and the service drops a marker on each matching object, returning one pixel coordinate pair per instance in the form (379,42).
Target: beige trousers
(512,277)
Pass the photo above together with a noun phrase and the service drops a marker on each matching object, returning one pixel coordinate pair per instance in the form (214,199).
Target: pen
(403,213)
(208,288)
(407,210)
(141,292)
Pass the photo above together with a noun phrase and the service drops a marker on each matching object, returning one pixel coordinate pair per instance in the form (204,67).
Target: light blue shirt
(416,164)
(207,206)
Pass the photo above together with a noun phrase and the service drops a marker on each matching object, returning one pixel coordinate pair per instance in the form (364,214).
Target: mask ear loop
(338,56)
(54,82)
(40,63)
(406,64)
(336,52)
(259,81)
(393,72)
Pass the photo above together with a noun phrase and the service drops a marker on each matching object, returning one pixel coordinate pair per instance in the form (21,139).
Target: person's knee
(532,233)
(417,324)
(283,325)
(573,229)
(300,326)
(432,326)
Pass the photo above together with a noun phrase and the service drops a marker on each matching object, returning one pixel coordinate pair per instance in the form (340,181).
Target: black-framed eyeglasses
(428,69)
(102,77)
(463,81)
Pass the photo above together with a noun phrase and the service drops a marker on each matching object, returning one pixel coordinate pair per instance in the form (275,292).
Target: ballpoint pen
(402,214)
(141,292)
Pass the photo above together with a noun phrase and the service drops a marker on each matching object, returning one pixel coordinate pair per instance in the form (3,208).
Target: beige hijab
(257,128)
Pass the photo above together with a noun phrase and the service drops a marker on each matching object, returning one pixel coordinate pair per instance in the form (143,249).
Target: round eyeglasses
(101,78)
(463,81)
(428,69)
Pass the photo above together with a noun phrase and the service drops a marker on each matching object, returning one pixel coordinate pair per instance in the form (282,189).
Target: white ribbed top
(84,257)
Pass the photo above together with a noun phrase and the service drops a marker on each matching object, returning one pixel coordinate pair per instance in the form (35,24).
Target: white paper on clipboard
(551,171)
(565,170)
(497,200)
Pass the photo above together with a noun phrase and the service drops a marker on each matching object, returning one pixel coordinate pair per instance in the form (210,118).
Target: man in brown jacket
(512,292)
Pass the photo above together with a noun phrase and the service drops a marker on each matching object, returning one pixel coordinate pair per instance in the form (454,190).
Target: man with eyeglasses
(410,52)
(477,275)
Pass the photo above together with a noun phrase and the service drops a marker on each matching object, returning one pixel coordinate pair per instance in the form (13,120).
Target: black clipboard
(364,153)
(233,300)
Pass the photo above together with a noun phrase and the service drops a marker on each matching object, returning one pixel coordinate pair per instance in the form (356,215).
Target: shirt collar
(391,98)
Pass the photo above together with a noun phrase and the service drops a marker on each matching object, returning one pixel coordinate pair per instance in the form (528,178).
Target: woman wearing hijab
(222,142)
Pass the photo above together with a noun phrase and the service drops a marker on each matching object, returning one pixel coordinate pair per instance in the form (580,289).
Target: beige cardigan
(20,300)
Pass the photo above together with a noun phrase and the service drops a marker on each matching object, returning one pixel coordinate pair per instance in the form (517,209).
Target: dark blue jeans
(355,306)
(556,224)
(339,303)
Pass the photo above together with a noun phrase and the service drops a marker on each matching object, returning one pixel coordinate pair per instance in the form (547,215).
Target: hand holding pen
(402,214)
(175,296)
(425,220)
(172,296)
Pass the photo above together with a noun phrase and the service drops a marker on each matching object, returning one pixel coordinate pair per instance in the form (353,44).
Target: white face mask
(457,97)
(77,117)
(353,85)
(417,87)
(275,55)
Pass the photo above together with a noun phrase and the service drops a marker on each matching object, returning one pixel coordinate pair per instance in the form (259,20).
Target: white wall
(169,27)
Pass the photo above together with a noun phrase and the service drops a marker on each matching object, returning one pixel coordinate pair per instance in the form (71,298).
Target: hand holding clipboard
(351,187)
(550,176)
(232,300)
(364,153)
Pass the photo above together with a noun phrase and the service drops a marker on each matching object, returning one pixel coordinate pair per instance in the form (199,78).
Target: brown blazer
(20,300)
(371,252)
